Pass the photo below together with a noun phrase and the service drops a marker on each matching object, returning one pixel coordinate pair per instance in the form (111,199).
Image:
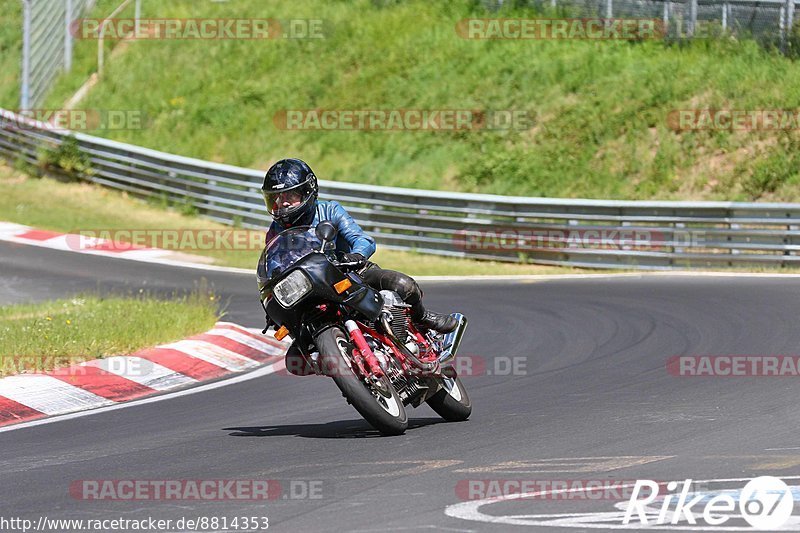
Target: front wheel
(378,402)
(452,402)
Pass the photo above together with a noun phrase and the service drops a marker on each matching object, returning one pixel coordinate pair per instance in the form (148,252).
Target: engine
(396,308)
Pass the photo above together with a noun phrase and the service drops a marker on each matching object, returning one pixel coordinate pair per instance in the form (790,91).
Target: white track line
(470,510)
(48,395)
(247,340)
(211,353)
(9,229)
(142,371)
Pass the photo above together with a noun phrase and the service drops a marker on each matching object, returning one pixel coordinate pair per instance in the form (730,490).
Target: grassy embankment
(600,108)
(40,336)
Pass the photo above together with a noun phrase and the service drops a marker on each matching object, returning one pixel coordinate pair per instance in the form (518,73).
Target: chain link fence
(46,44)
(771,22)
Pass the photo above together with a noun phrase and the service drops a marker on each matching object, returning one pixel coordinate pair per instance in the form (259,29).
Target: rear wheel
(452,402)
(377,401)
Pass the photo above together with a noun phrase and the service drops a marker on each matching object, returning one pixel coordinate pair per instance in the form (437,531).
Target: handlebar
(347,264)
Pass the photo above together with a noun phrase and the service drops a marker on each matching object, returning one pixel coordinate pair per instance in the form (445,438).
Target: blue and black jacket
(350,237)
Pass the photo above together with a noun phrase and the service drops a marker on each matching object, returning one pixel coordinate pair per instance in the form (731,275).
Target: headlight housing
(291,289)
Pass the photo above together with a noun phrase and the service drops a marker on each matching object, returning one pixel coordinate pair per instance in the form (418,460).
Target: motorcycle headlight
(289,290)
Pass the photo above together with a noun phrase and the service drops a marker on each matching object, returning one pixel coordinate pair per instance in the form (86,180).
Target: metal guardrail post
(725,16)
(782,26)
(68,35)
(787,17)
(25,82)
(692,18)
(733,226)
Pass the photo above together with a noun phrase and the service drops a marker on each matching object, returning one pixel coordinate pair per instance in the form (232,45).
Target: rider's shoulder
(330,207)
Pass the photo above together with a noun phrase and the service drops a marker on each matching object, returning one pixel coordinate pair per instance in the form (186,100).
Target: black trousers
(404,285)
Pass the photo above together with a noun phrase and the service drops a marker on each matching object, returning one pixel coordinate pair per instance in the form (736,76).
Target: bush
(66,160)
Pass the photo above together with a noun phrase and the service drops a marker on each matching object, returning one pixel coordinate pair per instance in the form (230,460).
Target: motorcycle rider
(290,192)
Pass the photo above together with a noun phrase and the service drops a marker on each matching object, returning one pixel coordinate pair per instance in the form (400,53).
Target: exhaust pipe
(452,340)
(387,329)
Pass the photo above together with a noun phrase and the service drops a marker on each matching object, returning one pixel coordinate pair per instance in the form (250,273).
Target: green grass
(600,107)
(10,53)
(84,57)
(44,335)
(74,207)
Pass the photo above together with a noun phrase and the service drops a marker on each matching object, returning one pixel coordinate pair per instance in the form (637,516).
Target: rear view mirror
(325,231)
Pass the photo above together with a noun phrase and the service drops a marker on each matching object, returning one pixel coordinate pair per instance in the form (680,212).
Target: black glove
(353,258)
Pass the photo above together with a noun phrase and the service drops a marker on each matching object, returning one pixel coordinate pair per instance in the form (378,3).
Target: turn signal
(281,333)
(342,285)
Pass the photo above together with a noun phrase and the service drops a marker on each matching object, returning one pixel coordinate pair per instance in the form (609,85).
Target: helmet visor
(286,202)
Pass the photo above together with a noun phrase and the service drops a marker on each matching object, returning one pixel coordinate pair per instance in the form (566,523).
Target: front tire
(451,402)
(382,409)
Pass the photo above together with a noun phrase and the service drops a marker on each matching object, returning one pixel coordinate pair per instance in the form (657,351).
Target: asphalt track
(592,402)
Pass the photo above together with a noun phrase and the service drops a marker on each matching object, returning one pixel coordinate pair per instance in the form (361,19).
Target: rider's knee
(407,288)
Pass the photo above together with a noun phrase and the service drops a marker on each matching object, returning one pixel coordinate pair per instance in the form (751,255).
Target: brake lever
(347,264)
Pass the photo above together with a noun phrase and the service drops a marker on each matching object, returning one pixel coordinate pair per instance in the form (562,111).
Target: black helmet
(295,177)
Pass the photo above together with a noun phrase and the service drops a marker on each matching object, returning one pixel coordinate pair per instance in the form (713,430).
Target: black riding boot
(409,291)
(431,320)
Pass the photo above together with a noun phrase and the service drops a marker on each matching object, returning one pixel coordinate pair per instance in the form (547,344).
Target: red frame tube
(366,352)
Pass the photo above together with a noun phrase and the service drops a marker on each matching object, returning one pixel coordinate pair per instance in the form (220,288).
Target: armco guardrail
(585,233)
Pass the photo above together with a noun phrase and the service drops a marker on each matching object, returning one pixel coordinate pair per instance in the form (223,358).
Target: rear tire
(452,402)
(384,411)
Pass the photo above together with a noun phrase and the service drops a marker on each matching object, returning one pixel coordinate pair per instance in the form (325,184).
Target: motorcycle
(362,338)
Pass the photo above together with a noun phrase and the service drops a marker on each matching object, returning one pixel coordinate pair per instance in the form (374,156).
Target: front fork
(373,366)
